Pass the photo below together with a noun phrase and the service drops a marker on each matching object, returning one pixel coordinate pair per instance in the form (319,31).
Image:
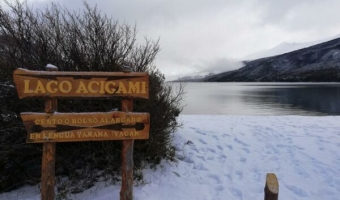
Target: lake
(261,98)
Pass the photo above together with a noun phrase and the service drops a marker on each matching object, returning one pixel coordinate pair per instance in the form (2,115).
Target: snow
(286,47)
(50,66)
(228,157)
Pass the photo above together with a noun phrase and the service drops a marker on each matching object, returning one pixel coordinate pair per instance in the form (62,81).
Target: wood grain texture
(96,126)
(48,157)
(48,171)
(42,84)
(126,192)
(271,190)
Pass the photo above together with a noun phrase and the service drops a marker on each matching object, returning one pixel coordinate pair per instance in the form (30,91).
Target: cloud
(221,65)
(205,67)
(198,33)
(303,20)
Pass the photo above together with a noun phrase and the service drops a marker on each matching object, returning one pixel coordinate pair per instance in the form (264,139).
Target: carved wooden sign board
(57,84)
(71,127)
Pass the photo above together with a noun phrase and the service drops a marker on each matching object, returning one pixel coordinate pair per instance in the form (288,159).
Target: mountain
(195,78)
(319,63)
(286,47)
(282,48)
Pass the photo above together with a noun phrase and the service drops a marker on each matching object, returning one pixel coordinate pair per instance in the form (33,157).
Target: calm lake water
(261,98)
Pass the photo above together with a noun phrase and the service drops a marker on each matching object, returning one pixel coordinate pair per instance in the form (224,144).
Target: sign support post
(48,156)
(126,192)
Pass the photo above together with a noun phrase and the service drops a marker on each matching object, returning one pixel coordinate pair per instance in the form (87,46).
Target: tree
(77,41)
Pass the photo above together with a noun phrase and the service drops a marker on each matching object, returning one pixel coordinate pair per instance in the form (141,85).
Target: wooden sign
(72,127)
(51,127)
(57,84)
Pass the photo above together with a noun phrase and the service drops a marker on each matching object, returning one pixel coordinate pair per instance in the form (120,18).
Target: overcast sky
(208,35)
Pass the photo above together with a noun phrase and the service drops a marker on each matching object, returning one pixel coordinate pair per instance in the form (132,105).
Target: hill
(318,63)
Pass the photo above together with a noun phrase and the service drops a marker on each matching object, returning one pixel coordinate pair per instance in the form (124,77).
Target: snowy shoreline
(228,157)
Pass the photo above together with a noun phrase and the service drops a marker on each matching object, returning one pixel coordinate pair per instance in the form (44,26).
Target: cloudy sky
(213,35)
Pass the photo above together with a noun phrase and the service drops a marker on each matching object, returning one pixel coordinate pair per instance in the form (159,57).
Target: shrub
(76,41)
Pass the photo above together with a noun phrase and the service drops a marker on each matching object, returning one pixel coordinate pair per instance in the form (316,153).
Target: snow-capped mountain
(279,49)
(286,47)
(320,62)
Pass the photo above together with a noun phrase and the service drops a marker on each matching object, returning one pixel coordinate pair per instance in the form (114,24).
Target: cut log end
(271,189)
(272,183)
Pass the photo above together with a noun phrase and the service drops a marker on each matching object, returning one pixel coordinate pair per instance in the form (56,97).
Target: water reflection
(307,99)
(262,98)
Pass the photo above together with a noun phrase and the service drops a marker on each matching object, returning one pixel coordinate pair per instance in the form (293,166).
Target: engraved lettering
(27,87)
(49,88)
(109,89)
(40,88)
(65,86)
(121,88)
(134,87)
(82,88)
(143,87)
(90,87)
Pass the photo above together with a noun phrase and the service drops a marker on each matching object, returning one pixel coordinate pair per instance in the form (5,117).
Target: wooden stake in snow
(271,190)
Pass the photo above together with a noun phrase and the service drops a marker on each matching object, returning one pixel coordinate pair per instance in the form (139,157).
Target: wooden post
(48,156)
(271,190)
(126,192)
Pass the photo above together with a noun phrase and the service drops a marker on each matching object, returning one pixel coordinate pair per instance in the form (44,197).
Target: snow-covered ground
(228,157)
